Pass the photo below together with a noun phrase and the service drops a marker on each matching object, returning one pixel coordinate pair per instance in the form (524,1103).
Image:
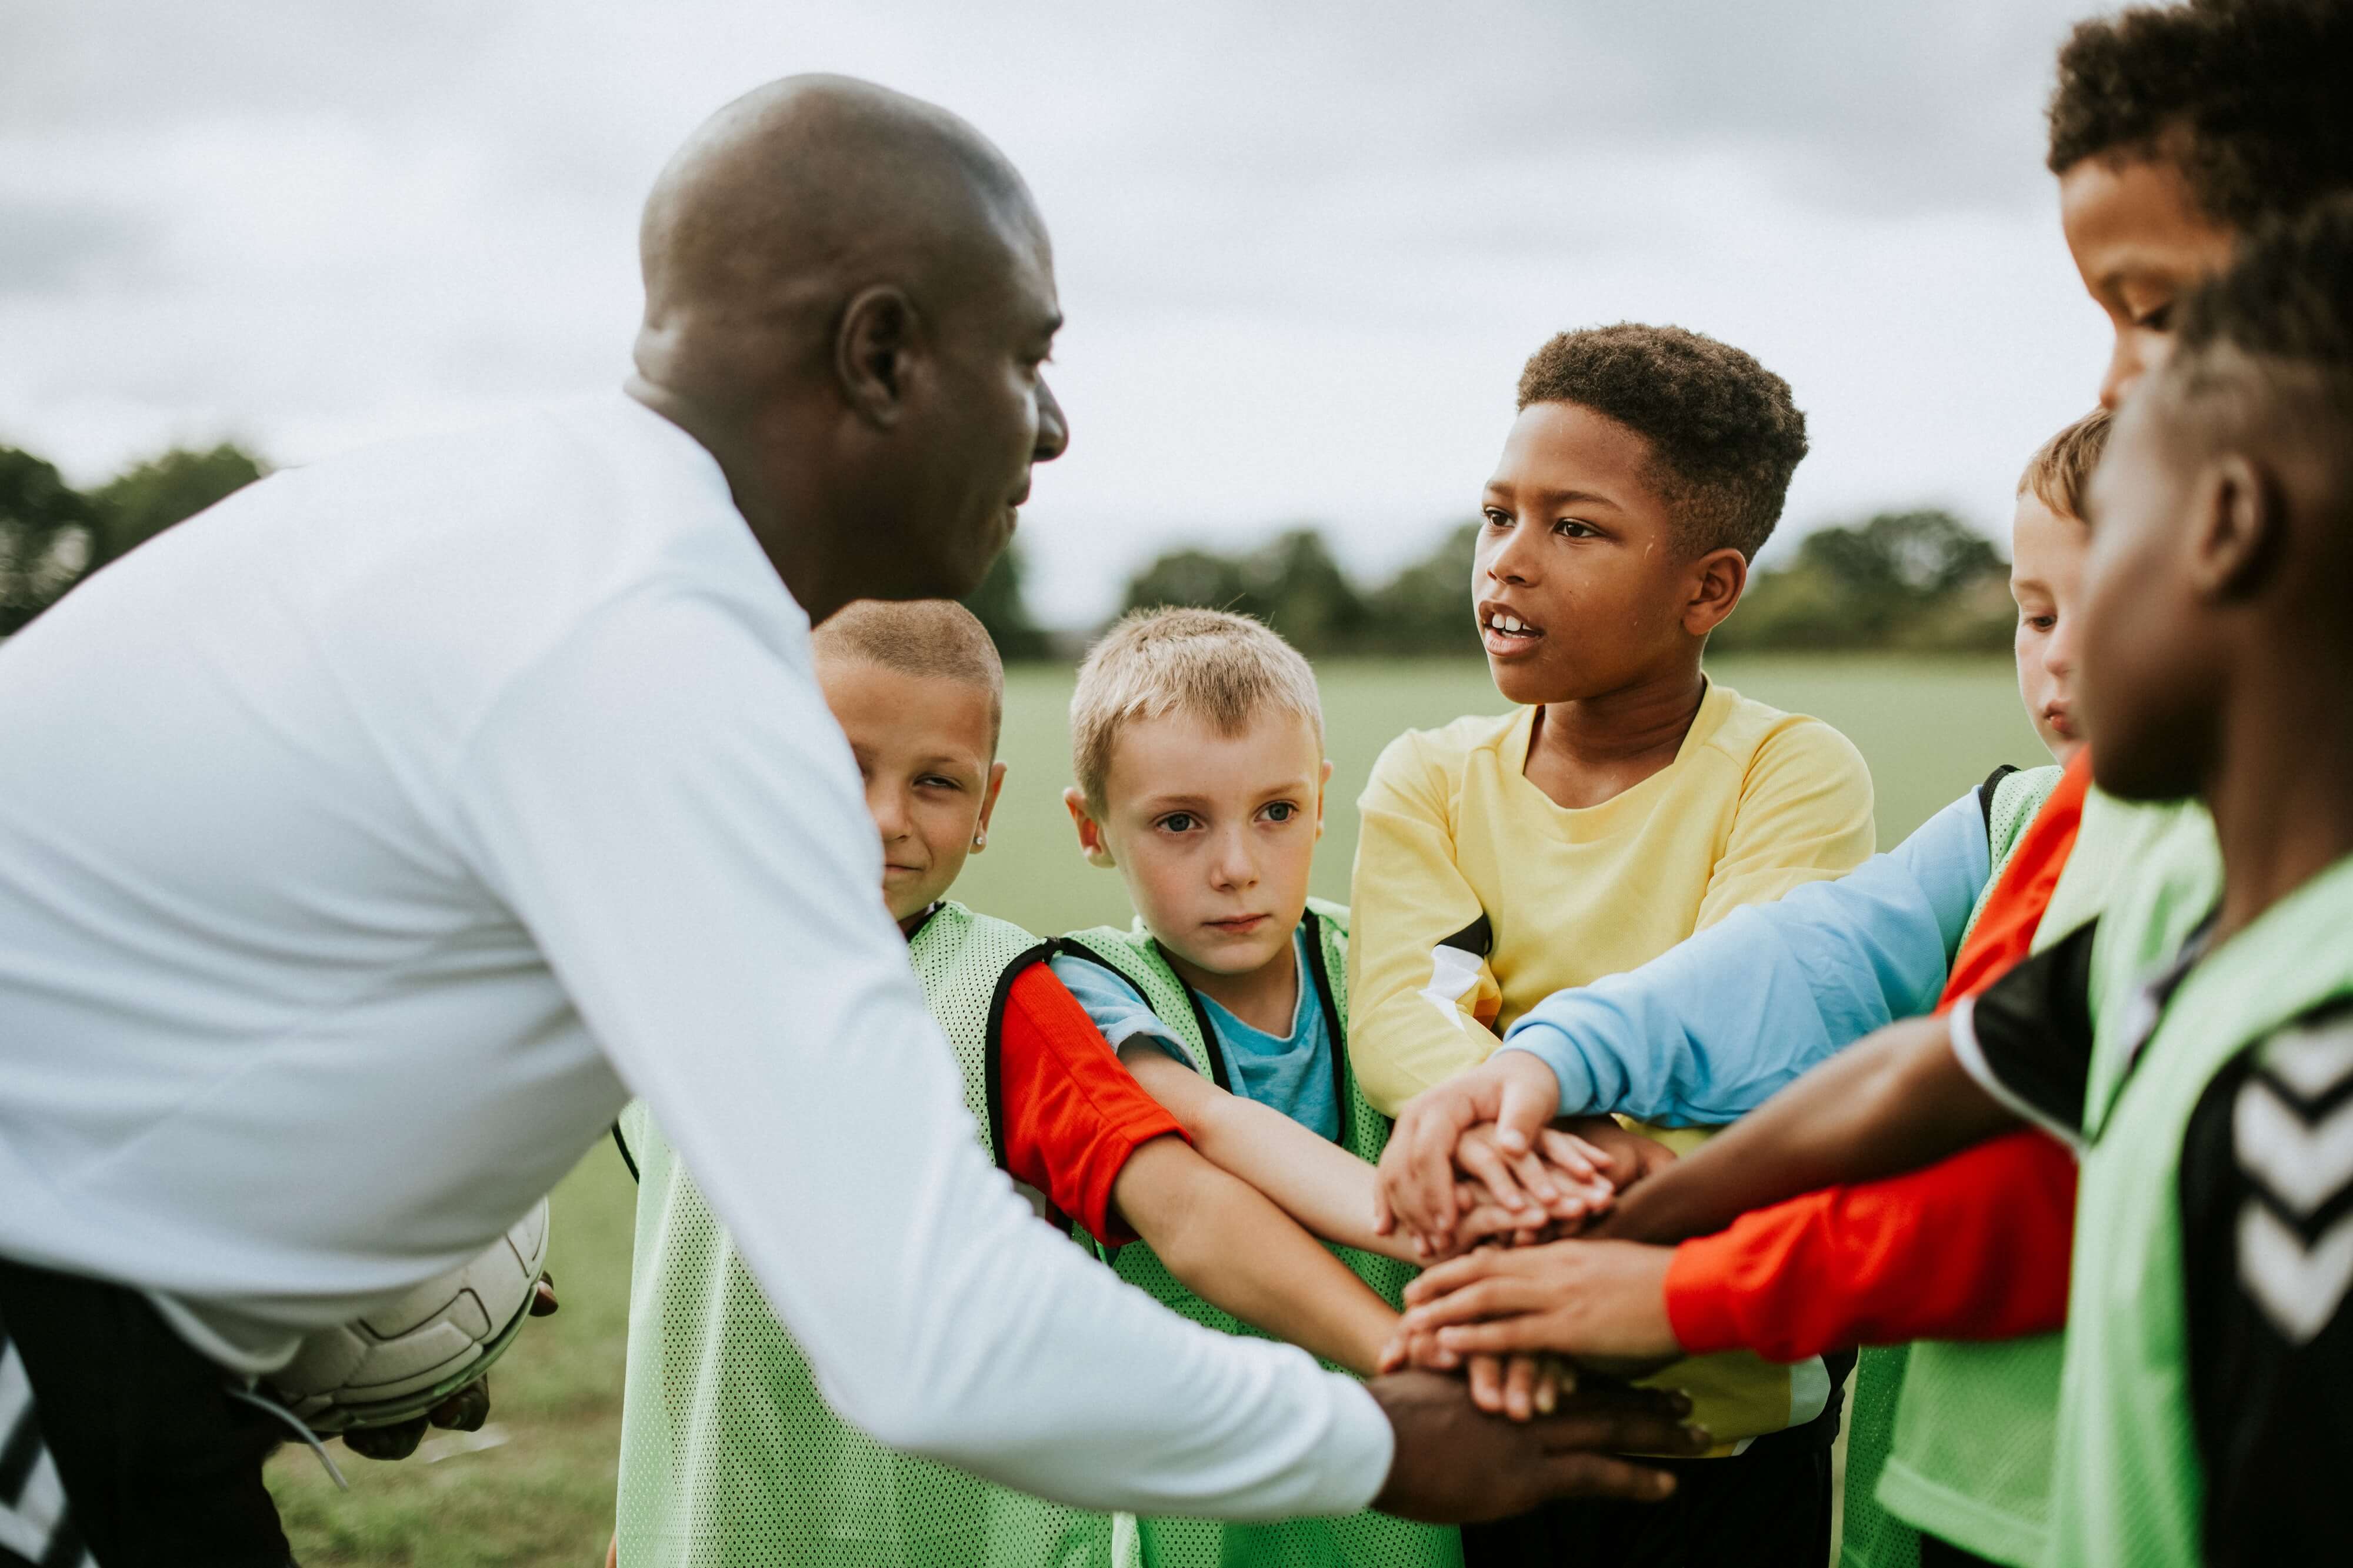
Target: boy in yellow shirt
(1623,804)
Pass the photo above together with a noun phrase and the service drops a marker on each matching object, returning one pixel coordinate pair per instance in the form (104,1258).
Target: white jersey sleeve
(665,802)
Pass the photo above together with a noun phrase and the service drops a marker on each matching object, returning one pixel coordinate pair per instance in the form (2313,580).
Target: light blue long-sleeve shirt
(1706,1031)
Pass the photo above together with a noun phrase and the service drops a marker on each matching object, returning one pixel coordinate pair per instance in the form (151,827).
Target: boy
(1625,802)
(2195,1042)
(1197,744)
(1835,1269)
(2169,125)
(729,1453)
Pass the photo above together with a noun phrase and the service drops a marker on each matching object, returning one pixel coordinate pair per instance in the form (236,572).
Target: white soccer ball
(405,1358)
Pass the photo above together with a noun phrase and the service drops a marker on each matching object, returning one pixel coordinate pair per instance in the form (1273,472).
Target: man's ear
(1323,788)
(1718,579)
(2240,525)
(1091,842)
(988,806)
(874,352)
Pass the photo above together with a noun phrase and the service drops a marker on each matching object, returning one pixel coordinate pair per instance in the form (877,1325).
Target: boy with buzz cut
(1198,741)
(729,1453)
(1625,802)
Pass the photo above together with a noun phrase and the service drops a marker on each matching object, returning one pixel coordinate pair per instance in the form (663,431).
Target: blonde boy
(1198,742)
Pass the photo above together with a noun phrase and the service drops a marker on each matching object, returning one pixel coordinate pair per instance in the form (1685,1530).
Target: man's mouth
(1505,635)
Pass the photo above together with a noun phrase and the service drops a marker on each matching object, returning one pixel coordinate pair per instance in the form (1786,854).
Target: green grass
(544,1496)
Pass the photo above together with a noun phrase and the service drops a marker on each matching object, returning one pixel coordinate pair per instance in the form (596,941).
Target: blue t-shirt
(1290,1072)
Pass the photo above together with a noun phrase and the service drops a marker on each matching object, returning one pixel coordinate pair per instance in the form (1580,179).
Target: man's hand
(1512,1088)
(1602,1303)
(1455,1466)
(464,1410)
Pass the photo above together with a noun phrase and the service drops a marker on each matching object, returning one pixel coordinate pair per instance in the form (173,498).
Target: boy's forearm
(1320,1185)
(1894,1102)
(1234,1248)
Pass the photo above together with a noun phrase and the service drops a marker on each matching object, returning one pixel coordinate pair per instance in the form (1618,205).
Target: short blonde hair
(918,637)
(2061,469)
(1221,667)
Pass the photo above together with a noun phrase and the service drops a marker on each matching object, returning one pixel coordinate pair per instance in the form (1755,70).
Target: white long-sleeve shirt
(367,841)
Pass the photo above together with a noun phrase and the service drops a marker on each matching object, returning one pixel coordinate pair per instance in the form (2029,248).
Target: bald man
(367,841)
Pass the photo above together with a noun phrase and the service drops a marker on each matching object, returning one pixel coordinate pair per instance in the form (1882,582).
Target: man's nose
(1053,427)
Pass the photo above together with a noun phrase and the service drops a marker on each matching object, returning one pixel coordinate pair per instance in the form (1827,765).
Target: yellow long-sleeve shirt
(1476,897)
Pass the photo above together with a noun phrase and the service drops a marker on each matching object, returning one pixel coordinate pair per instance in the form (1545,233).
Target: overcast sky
(1302,249)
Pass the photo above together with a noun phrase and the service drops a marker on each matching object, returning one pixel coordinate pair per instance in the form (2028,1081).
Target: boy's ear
(1323,788)
(2240,526)
(1718,579)
(988,806)
(1092,843)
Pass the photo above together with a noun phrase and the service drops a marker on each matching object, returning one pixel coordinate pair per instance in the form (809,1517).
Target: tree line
(1918,581)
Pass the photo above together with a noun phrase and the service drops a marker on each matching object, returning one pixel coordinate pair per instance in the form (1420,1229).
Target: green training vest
(1972,1458)
(1870,1536)
(2129,1486)
(730,1458)
(1365,1540)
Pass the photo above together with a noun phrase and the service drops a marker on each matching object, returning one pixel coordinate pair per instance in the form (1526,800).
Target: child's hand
(1631,1156)
(1512,1088)
(1602,1303)
(1521,1388)
(1562,1178)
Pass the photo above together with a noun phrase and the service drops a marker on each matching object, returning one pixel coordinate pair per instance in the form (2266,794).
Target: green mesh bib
(2128,1489)
(1365,1540)
(1972,1456)
(1870,1536)
(730,1458)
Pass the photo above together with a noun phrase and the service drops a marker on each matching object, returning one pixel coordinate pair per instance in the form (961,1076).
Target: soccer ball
(407,1356)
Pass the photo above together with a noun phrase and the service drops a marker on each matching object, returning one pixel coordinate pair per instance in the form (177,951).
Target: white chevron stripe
(2298,1287)
(1453,974)
(2304,1164)
(2312,1061)
(26,1527)
(16,1389)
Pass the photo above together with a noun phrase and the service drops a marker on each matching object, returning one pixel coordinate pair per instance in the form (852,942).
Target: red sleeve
(1072,1115)
(1974,1249)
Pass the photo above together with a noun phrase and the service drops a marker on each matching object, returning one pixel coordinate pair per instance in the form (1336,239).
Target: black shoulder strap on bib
(623,1145)
(1334,1028)
(993,1041)
(1985,795)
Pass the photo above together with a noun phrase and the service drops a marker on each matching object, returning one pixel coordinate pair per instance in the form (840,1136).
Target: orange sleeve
(1069,1115)
(1974,1249)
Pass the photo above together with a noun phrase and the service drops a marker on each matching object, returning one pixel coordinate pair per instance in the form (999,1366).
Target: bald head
(790,200)
(849,299)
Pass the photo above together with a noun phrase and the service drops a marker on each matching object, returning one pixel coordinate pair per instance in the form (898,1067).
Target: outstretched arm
(1235,1249)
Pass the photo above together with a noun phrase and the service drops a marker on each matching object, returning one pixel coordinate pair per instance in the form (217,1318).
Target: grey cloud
(50,247)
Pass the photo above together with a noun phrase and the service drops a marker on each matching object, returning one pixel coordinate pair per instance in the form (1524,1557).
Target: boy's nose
(1234,866)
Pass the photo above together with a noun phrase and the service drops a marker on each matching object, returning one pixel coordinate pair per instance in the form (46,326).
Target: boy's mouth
(1505,635)
(1236,925)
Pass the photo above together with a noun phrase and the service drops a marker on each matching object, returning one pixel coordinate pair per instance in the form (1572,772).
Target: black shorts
(1767,1506)
(122,1445)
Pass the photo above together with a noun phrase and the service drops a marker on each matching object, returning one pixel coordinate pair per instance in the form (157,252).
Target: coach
(366,843)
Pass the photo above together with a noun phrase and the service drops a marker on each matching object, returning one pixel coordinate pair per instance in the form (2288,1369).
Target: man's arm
(669,809)
(1421,995)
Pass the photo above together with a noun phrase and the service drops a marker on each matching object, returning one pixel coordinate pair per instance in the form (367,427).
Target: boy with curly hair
(1624,802)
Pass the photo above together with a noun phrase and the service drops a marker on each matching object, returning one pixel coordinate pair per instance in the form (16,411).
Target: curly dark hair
(1725,436)
(2288,297)
(2249,98)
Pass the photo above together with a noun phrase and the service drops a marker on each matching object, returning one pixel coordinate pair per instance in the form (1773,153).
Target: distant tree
(1291,582)
(48,533)
(1426,608)
(1901,580)
(1002,608)
(143,500)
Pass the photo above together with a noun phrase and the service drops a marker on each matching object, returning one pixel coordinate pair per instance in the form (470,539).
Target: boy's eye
(1496,517)
(2042,623)
(2156,318)
(1573,529)
(938,781)
(1177,822)
(1282,811)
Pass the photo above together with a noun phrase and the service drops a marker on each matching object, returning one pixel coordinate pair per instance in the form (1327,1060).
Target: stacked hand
(464,1410)
(1483,1148)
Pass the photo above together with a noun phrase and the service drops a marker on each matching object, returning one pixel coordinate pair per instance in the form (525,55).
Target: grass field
(543,1494)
